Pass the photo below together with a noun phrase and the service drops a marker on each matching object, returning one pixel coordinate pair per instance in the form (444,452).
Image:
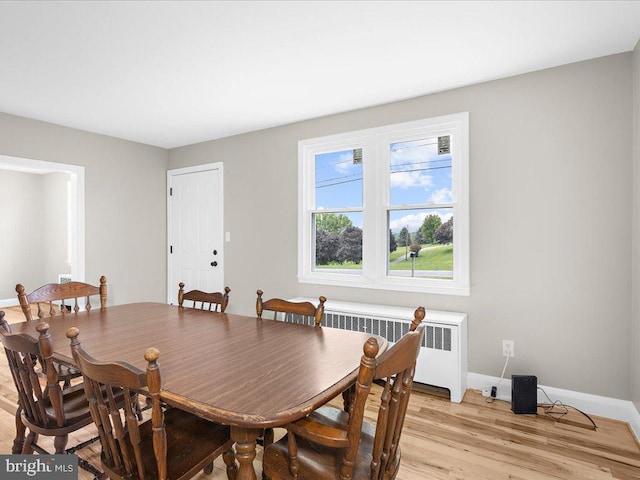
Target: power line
(396,147)
(360,178)
(419,170)
(420,163)
(349,160)
(338,183)
(340,178)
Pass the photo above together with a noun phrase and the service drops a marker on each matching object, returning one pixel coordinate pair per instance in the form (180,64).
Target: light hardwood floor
(472,440)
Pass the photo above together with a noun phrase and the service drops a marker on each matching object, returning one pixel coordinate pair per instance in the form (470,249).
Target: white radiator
(443,357)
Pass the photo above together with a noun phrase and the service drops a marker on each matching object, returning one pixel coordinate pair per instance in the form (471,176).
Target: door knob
(214,264)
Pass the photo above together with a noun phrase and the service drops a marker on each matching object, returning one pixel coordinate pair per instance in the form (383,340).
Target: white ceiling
(176,73)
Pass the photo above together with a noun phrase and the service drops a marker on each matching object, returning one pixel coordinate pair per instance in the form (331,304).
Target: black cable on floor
(557,415)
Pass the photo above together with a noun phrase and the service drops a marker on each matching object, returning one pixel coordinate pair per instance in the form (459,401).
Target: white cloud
(345,164)
(440,196)
(414,221)
(445,216)
(410,179)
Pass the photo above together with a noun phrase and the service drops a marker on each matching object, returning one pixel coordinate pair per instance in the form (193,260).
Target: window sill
(438,287)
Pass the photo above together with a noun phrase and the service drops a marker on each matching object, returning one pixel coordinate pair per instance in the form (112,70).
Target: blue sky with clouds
(418,176)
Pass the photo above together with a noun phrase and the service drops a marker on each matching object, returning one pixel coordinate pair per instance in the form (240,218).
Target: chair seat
(65,372)
(192,443)
(75,405)
(76,411)
(316,460)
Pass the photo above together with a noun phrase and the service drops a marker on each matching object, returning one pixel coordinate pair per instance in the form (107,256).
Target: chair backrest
(306,311)
(53,292)
(397,367)
(216,301)
(116,421)
(26,356)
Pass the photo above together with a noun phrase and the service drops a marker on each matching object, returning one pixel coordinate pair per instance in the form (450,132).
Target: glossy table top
(233,369)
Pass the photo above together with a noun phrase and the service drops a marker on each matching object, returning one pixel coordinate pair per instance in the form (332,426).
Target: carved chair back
(304,312)
(397,367)
(49,411)
(216,301)
(133,449)
(344,433)
(120,432)
(53,292)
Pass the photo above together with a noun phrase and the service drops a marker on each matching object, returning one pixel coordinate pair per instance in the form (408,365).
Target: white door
(195,230)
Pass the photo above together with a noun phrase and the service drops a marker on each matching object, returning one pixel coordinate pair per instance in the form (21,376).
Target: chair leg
(32,438)
(229,458)
(294,465)
(267,438)
(60,443)
(18,442)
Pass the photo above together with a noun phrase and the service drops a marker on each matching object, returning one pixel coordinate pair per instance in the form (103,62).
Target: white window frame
(375,145)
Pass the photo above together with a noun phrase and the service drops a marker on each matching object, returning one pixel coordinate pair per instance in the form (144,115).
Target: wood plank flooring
(472,440)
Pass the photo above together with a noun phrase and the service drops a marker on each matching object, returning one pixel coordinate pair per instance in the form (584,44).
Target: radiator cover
(442,360)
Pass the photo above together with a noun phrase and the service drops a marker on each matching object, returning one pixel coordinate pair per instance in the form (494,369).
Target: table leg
(245,440)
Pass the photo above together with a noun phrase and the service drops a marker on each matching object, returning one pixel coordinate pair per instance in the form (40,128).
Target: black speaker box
(524,394)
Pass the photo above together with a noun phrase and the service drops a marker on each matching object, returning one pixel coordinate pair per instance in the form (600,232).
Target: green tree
(326,247)
(444,234)
(430,224)
(392,242)
(404,237)
(350,245)
(404,240)
(418,237)
(332,223)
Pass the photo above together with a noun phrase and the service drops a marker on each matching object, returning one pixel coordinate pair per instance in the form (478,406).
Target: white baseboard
(623,410)
(9,302)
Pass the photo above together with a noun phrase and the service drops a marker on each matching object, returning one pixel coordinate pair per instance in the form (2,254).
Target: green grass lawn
(342,266)
(438,257)
(431,257)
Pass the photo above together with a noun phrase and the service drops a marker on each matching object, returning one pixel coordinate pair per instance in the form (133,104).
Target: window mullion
(369,222)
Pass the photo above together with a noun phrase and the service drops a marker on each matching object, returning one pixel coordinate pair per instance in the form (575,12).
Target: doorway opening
(48,214)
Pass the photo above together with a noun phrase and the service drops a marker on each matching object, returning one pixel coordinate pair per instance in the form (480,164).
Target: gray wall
(125,202)
(33,230)
(635,348)
(53,232)
(551,199)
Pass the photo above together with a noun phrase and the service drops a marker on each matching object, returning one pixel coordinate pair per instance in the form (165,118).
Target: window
(387,207)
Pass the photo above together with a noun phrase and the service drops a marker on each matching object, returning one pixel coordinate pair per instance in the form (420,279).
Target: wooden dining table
(241,371)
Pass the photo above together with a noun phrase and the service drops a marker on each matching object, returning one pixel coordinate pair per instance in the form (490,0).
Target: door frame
(75,208)
(172,293)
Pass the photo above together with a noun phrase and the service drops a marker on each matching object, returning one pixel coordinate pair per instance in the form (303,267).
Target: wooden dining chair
(333,444)
(216,301)
(50,411)
(348,395)
(295,312)
(54,292)
(60,292)
(172,445)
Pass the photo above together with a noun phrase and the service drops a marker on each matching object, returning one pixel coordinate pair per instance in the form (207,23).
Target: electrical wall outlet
(486,392)
(508,349)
